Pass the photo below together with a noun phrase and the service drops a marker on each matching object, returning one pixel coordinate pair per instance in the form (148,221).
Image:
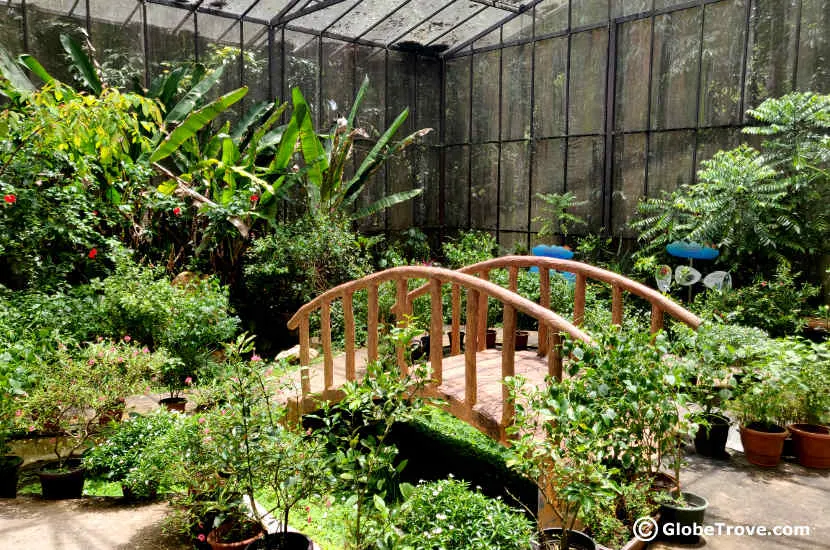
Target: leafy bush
(67,191)
(120,457)
(777,306)
(190,321)
(470,248)
(300,260)
(447,514)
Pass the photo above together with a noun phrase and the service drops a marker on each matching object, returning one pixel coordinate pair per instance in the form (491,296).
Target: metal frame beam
(306,10)
(524,8)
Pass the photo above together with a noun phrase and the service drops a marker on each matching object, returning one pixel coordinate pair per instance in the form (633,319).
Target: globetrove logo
(647,529)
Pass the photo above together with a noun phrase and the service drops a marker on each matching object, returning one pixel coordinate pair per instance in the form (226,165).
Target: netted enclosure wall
(611,100)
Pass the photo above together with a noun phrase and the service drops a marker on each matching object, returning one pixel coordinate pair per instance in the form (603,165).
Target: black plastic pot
(577,540)
(61,484)
(9,472)
(282,541)
(711,437)
(678,521)
(460,339)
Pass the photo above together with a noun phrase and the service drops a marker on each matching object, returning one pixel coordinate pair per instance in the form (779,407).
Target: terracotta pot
(282,541)
(812,444)
(68,483)
(763,448)
(214,536)
(174,403)
(9,472)
(491,338)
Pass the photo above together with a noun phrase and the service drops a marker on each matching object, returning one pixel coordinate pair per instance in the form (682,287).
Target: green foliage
(121,457)
(470,248)
(357,430)
(300,260)
(556,218)
(72,392)
(447,514)
(756,206)
(70,164)
(329,189)
(777,305)
(190,321)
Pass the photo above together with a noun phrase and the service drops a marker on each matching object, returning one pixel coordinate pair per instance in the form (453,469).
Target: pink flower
(255,358)
(201,537)
(188,381)
(31,428)
(91,362)
(18,413)
(201,420)
(145,349)
(127,338)
(206,431)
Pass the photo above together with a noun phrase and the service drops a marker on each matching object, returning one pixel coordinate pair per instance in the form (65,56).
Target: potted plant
(174,375)
(10,390)
(682,510)
(521,340)
(764,398)
(68,394)
(716,353)
(121,456)
(810,365)
(559,444)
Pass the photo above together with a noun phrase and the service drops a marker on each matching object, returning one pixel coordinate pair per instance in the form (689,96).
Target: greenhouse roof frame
(436,28)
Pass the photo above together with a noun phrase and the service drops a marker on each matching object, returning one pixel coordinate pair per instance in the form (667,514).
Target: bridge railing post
(483,308)
(305,382)
(436,330)
(372,323)
(455,339)
(470,349)
(325,334)
(544,301)
(401,311)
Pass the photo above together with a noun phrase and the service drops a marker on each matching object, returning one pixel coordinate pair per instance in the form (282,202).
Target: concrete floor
(740,493)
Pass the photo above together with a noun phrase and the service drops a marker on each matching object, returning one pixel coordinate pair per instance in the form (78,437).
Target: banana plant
(239,173)
(329,190)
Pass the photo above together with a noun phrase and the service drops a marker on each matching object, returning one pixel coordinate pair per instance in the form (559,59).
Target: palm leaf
(83,63)
(195,122)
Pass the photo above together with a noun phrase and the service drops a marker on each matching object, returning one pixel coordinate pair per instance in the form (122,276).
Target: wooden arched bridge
(471,383)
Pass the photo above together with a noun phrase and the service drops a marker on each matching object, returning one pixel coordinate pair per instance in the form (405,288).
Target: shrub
(447,514)
(121,456)
(777,306)
(189,321)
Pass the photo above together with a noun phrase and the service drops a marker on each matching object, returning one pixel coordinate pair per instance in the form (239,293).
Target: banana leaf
(253,115)
(35,66)
(83,63)
(195,122)
(386,202)
(358,100)
(184,107)
(313,151)
(12,72)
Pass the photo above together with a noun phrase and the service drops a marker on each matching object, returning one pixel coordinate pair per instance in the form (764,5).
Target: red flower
(93,253)
(201,537)
(10,199)
(254,198)
(177,211)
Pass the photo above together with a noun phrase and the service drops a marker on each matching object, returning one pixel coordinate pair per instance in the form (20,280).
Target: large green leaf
(195,122)
(12,72)
(253,115)
(357,100)
(374,159)
(313,151)
(253,147)
(184,107)
(386,202)
(83,63)
(35,66)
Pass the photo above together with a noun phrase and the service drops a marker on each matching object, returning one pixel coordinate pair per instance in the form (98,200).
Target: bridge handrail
(660,303)
(478,291)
